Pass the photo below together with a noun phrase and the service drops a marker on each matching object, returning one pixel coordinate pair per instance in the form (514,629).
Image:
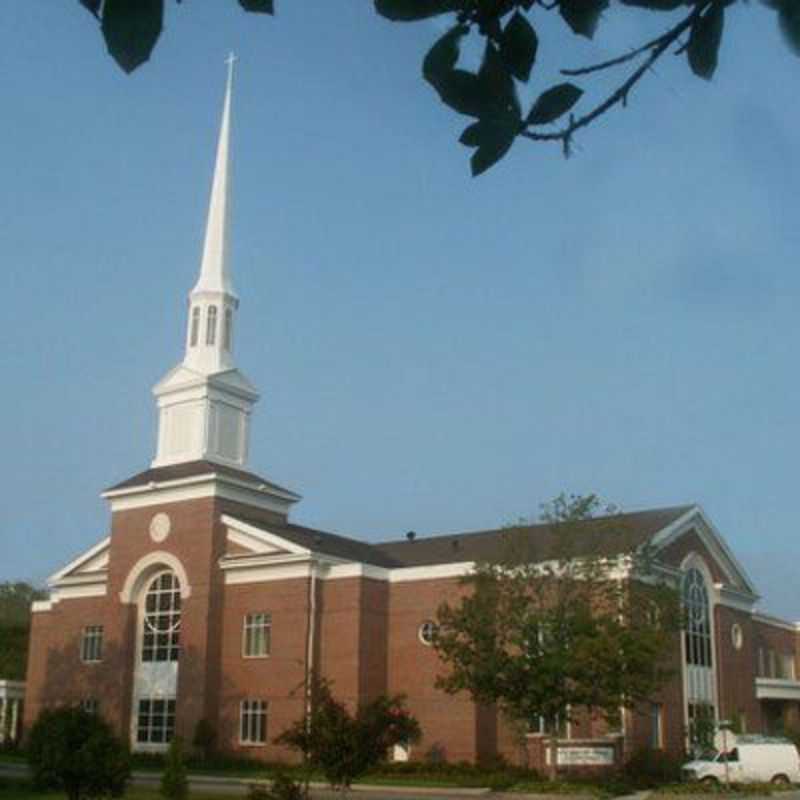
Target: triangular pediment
(694,534)
(89,564)
(245,539)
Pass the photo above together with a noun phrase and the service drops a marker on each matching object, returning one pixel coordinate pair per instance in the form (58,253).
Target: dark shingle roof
(331,544)
(191,469)
(601,536)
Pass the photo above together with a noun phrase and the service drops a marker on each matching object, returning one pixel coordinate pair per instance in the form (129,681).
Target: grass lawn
(22,790)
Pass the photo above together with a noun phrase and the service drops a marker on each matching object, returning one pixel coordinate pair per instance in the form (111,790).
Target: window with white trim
(227,331)
(698,622)
(427,632)
(194,333)
(155,722)
(554,727)
(656,726)
(253,722)
(161,622)
(92,644)
(211,325)
(89,705)
(257,635)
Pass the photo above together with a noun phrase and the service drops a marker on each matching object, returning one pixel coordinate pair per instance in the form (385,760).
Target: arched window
(161,619)
(227,332)
(195,329)
(211,325)
(698,619)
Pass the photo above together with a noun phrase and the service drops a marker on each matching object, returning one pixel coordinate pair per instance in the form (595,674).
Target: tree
(545,637)
(174,780)
(15,610)
(344,746)
(76,752)
(510,46)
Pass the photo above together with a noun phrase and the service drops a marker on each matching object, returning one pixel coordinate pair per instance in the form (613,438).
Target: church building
(205,601)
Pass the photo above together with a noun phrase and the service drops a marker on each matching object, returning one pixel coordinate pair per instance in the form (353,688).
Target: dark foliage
(174,780)
(76,752)
(344,746)
(131,29)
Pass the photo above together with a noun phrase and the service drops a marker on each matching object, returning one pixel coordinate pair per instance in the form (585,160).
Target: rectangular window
(257,635)
(558,727)
(155,723)
(772,667)
(656,726)
(90,705)
(762,667)
(253,723)
(92,643)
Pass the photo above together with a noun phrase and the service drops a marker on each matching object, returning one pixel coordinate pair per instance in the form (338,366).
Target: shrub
(281,788)
(174,781)
(205,738)
(345,746)
(653,767)
(78,753)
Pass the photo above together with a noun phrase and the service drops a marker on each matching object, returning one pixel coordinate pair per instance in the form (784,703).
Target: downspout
(310,638)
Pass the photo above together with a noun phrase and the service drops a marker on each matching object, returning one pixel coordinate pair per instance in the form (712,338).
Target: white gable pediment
(258,541)
(696,521)
(87,564)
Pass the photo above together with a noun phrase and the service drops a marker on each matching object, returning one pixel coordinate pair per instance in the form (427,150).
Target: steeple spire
(205,403)
(213,301)
(215,267)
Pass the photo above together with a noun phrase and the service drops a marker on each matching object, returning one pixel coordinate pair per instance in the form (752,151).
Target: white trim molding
(149,565)
(777,689)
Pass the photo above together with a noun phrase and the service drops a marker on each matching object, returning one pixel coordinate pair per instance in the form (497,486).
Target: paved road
(208,784)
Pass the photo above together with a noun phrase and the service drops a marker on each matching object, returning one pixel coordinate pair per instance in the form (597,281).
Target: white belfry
(205,402)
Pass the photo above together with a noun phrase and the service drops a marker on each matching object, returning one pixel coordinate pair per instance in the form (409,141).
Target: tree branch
(657,48)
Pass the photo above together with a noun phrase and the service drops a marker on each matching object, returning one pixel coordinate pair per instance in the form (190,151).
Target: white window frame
(657,726)
(90,705)
(253,719)
(427,632)
(169,731)
(257,621)
(92,644)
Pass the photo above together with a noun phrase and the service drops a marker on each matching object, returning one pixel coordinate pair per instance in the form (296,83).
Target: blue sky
(435,353)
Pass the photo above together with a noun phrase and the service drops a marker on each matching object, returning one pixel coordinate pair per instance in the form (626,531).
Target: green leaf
(93,6)
(410,10)
(259,6)
(789,21)
(518,45)
(494,74)
(582,15)
(465,92)
(443,56)
(553,103)
(704,41)
(131,29)
(656,5)
(492,138)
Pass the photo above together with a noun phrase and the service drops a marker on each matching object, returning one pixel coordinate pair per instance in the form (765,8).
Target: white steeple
(212,302)
(205,402)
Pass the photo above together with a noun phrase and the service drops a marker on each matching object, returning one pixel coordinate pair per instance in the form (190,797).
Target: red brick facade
(359,629)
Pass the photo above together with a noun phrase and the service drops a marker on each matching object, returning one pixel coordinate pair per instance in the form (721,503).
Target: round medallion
(160,527)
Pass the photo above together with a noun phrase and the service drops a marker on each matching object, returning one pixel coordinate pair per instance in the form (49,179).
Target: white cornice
(211,484)
(712,539)
(264,536)
(776,622)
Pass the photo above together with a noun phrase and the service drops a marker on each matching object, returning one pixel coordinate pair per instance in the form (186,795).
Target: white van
(749,759)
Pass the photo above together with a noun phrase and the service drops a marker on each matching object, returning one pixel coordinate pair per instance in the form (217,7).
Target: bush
(174,781)
(77,753)
(205,738)
(650,767)
(345,746)
(282,788)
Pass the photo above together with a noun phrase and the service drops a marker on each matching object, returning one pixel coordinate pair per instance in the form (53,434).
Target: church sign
(585,756)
